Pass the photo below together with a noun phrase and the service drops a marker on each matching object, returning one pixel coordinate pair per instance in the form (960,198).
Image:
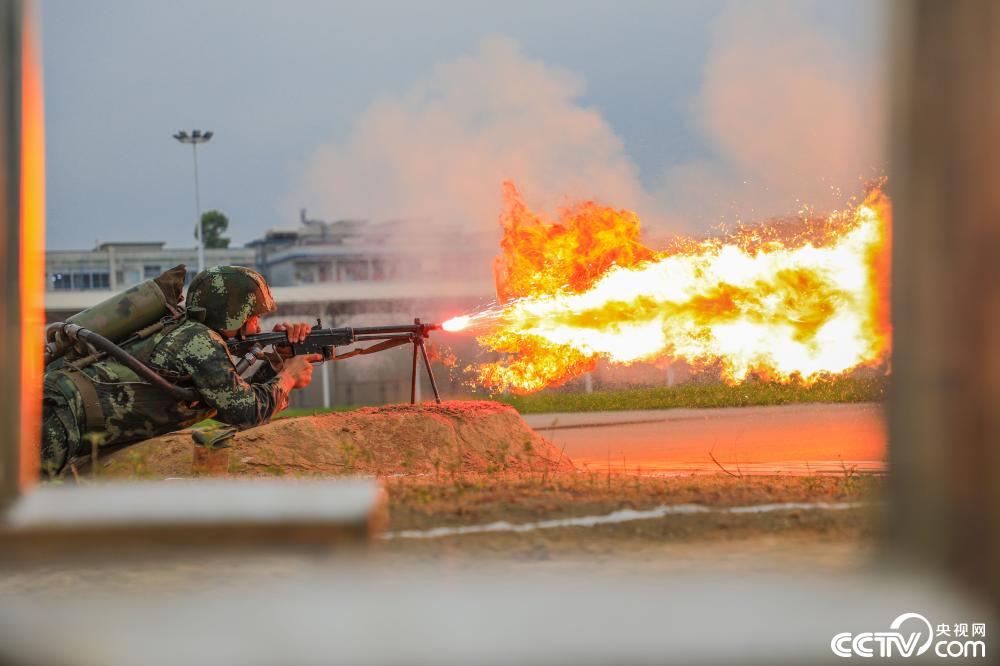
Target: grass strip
(691,395)
(751,393)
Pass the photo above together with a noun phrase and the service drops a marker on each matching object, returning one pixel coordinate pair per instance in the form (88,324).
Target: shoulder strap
(147,338)
(92,410)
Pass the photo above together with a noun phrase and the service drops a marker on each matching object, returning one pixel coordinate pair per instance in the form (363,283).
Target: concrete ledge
(66,522)
(415,615)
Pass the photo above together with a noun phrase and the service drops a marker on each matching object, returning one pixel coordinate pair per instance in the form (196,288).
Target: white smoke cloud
(792,115)
(440,150)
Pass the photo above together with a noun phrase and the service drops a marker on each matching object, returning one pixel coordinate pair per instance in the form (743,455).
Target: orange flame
(788,306)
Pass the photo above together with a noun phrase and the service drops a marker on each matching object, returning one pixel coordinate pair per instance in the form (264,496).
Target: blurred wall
(945,180)
(10,255)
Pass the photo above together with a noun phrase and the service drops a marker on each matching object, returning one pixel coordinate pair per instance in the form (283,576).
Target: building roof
(338,292)
(146,251)
(132,245)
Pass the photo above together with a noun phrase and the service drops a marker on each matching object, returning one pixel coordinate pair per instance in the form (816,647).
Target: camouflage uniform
(194,353)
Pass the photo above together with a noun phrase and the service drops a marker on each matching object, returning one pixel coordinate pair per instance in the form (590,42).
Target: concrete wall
(10,265)
(945,400)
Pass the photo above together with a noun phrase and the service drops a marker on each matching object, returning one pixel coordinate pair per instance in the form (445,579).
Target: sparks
(790,307)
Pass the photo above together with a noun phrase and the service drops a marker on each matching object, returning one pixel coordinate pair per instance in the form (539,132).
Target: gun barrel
(418,329)
(385,336)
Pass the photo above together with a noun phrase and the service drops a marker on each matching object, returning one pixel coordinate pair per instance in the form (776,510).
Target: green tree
(215,224)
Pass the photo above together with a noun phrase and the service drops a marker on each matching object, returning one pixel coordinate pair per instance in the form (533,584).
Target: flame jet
(788,304)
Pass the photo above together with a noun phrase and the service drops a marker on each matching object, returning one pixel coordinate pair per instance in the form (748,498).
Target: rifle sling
(382,346)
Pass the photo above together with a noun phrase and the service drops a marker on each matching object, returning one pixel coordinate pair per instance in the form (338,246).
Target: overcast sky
(683,111)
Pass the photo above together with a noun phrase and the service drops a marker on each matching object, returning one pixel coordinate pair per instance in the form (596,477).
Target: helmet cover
(230,295)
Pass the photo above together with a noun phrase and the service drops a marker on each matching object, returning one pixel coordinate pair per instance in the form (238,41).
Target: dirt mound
(399,439)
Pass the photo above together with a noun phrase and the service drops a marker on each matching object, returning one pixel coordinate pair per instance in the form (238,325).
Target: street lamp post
(196,137)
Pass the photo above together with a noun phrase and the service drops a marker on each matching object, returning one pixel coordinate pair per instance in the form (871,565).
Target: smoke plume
(792,114)
(440,150)
(789,115)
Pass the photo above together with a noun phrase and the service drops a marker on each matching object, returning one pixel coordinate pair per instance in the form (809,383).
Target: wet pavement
(795,439)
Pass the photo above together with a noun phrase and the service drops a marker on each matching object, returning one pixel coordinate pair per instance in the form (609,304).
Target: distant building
(311,252)
(317,252)
(116,266)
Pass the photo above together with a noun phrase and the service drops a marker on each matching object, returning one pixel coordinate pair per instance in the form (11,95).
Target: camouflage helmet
(230,295)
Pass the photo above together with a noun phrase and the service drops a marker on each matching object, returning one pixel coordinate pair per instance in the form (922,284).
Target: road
(800,439)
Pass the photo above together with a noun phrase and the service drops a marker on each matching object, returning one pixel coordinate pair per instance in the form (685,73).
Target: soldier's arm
(265,374)
(236,402)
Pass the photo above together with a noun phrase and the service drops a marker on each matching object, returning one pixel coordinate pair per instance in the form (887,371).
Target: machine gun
(324,341)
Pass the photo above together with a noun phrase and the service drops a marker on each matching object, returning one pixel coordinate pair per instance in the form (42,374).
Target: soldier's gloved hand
(295,332)
(298,370)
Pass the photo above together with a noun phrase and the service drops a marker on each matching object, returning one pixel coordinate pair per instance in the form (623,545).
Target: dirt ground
(420,504)
(470,464)
(450,438)
(807,540)
(813,543)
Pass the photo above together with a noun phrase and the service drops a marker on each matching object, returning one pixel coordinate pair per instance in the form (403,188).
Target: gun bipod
(418,347)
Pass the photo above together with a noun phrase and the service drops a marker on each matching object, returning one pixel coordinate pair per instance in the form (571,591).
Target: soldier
(106,404)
